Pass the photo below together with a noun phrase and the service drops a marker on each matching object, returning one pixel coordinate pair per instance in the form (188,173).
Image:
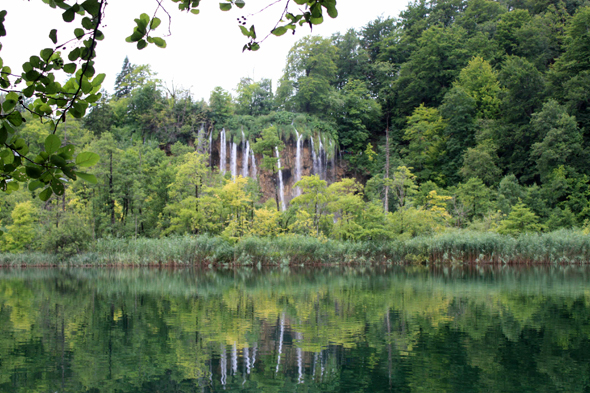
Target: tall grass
(564,246)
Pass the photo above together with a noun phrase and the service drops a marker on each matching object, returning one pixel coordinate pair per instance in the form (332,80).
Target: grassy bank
(452,247)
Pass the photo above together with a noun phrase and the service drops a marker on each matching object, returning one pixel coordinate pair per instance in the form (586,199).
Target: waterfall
(321,152)
(314,158)
(253,164)
(333,160)
(234,160)
(222,152)
(245,154)
(281,186)
(298,162)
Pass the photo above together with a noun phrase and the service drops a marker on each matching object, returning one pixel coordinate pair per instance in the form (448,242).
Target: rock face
(303,155)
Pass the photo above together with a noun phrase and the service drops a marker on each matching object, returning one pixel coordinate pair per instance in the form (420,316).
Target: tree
(21,234)
(254,98)
(310,71)
(426,142)
(520,220)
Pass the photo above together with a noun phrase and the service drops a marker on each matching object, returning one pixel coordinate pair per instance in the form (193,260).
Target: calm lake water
(334,330)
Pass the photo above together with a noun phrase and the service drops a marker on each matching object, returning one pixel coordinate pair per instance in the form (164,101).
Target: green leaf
(141,44)
(15,118)
(332,11)
(35,184)
(98,79)
(279,31)
(69,15)
(29,91)
(160,42)
(46,53)
(53,36)
(67,151)
(87,23)
(57,187)
(87,158)
(240,3)
(224,6)
(45,194)
(74,54)
(7,156)
(155,23)
(195,11)
(58,161)
(52,143)
(20,145)
(92,6)
(34,172)
(10,102)
(90,178)
(245,31)
(20,174)
(70,68)
(79,33)
(12,186)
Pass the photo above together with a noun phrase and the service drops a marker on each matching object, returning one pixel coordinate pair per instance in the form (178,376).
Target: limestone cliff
(303,155)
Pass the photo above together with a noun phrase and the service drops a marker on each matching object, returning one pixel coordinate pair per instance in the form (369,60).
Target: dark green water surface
(332,330)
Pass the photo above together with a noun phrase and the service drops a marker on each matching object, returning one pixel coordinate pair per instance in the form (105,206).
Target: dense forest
(457,114)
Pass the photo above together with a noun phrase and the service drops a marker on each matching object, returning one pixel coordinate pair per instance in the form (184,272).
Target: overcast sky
(204,50)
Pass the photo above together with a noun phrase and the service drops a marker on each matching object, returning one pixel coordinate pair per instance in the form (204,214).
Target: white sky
(204,50)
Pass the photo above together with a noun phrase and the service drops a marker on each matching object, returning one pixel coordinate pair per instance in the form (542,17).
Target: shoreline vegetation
(455,248)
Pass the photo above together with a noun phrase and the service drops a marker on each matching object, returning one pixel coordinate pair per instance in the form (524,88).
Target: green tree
(426,142)
(254,98)
(520,220)
(313,200)
(310,71)
(479,81)
(22,232)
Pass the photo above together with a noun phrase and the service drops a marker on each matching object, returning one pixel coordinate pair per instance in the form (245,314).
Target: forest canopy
(457,114)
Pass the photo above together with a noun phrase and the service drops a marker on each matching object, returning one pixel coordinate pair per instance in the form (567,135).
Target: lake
(403,329)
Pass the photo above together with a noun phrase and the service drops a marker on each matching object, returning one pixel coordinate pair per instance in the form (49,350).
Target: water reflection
(402,329)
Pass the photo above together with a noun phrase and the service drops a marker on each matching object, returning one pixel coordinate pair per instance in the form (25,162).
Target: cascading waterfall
(253,164)
(245,154)
(320,155)
(234,160)
(333,160)
(222,152)
(281,186)
(314,158)
(298,161)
